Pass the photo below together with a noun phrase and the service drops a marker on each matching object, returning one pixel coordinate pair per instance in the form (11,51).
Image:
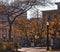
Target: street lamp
(47,23)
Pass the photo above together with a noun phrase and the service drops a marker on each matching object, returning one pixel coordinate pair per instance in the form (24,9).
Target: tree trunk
(10,30)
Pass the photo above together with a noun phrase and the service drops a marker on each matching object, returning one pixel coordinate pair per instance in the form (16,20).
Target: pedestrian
(32,44)
(51,43)
(16,46)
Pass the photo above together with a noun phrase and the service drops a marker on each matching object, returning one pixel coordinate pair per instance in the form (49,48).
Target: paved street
(32,49)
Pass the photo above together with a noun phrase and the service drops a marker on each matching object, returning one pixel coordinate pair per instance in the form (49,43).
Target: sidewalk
(32,49)
(35,49)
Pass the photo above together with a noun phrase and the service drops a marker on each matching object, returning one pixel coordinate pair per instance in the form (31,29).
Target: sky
(40,8)
(9,1)
(57,0)
(13,0)
(31,13)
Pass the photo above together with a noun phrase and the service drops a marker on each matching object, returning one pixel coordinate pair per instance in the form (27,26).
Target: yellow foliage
(33,27)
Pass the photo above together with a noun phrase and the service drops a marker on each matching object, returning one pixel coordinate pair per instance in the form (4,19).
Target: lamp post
(47,23)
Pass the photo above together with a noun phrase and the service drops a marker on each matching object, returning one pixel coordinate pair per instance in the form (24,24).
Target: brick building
(47,15)
(53,17)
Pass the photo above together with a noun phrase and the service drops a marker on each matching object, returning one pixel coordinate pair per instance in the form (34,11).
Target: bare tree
(15,9)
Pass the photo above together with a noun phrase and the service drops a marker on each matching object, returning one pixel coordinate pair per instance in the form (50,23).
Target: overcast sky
(13,0)
(9,1)
(29,14)
(57,0)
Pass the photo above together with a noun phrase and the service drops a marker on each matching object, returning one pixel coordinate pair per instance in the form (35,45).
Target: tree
(14,9)
(20,24)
